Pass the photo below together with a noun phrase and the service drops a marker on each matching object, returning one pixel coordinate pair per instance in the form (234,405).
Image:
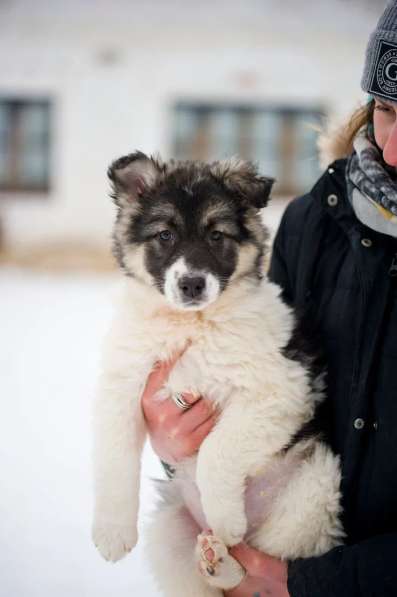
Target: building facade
(84,82)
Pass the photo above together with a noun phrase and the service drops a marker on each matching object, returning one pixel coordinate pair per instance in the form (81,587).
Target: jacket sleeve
(366,569)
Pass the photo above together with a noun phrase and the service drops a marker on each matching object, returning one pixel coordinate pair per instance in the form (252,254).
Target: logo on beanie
(384,80)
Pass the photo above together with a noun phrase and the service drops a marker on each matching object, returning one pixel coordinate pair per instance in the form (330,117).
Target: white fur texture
(234,359)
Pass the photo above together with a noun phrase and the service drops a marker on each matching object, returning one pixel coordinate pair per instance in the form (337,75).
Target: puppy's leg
(216,565)
(245,438)
(305,518)
(171,542)
(119,437)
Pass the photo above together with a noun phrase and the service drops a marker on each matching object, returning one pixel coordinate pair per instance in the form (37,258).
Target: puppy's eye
(216,235)
(166,235)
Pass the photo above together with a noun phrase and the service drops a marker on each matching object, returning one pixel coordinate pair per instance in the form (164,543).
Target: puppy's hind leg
(305,519)
(171,541)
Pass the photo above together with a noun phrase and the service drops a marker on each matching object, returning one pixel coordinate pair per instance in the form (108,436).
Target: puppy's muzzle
(192,287)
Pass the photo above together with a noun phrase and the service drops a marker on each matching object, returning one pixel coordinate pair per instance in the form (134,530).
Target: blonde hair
(337,141)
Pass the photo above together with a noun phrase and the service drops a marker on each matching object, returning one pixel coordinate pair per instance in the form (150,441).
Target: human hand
(175,434)
(265,575)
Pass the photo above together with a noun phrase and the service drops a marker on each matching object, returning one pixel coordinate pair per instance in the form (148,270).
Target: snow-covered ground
(51,329)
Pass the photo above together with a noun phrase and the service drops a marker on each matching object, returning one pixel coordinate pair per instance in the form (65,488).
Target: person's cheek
(390,146)
(380,129)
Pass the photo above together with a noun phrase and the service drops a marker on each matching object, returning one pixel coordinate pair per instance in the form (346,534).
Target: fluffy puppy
(190,239)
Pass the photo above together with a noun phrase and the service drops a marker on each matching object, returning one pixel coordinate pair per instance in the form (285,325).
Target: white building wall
(115,68)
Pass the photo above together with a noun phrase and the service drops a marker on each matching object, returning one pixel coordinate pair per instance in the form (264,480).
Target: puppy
(190,239)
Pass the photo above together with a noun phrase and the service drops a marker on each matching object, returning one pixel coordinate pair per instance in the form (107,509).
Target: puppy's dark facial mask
(188,228)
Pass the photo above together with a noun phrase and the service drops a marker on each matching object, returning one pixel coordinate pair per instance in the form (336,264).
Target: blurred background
(83,82)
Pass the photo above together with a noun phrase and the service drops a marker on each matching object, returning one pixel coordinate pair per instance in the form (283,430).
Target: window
(282,140)
(24,145)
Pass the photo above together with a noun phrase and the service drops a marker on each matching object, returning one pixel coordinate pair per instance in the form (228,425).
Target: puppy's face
(188,229)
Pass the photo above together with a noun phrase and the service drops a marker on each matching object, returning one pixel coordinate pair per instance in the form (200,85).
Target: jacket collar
(331,192)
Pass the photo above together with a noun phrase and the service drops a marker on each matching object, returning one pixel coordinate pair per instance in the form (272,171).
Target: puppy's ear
(132,175)
(242,179)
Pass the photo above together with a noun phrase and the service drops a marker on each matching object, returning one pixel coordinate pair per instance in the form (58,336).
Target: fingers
(166,413)
(251,559)
(172,446)
(259,564)
(247,556)
(188,445)
(189,419)
(197,415)
(159,375)
(154,383)
(189,398)
(184,445)
(199,434)
(173,430)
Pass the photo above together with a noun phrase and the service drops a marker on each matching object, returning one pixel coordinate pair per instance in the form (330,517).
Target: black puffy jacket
(344,273)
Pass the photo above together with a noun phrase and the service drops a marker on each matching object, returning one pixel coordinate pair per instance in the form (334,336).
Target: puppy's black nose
(192,287)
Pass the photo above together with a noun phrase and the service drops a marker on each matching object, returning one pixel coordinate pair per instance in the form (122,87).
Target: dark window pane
(266,149)
(224,133)
(24,145)
(34,135)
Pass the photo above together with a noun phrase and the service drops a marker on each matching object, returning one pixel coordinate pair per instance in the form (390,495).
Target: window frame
(16,104)
(289,113)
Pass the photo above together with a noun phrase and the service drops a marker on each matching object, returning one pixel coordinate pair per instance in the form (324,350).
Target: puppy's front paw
(215,563)
(114,541)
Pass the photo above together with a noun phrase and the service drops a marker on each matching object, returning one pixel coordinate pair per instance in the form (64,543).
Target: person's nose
(390,148)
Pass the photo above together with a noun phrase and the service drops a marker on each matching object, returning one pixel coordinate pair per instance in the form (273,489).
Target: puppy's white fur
(234,358)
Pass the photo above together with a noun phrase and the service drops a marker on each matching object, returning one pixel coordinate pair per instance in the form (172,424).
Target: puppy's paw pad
(210,552)
(215,563)
(114,541)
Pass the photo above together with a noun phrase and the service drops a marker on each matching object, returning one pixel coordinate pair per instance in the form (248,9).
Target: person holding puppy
(335,256)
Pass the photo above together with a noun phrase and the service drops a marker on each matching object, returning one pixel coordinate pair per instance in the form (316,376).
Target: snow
(52,328)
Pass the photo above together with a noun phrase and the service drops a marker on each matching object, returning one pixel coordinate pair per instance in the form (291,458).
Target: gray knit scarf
(372,186)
